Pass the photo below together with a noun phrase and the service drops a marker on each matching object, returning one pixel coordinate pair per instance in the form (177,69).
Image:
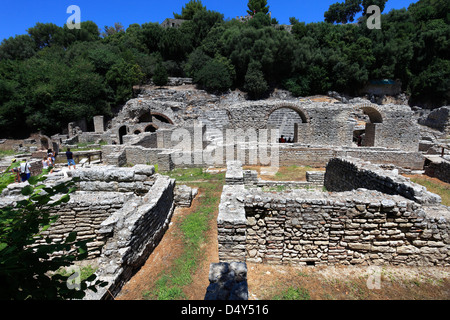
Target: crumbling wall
(133,232)
(84,213)
(440,170)
(350,173)
(361,226)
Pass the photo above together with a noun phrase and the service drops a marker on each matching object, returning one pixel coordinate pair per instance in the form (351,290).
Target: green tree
(343,12)
(160,78)
(255,84)
(256,6)
(121,78)
(190,9)
(20,47)
(214,76)
(28,268)
(196,61)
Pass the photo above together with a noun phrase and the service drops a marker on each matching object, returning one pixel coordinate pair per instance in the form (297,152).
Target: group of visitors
(284,140)
(48,162)
(23,172)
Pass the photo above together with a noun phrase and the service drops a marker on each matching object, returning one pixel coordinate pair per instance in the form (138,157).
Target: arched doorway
(122,132)
(366,127)
(286,119)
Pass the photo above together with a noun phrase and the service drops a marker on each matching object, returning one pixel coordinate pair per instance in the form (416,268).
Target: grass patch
(194,174)
(289,173)
(293,294)
(434,185)
(6,153)
(172,283)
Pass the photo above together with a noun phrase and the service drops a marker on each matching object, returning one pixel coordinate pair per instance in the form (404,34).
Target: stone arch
(364,135)
(287,119)
(373,113)
(161,117)
(299,111)
(151,128)
(148,116)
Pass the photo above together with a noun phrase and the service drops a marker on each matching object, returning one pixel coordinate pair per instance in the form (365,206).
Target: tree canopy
(52,75)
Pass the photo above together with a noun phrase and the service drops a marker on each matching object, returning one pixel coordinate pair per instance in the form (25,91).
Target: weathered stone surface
(360,226)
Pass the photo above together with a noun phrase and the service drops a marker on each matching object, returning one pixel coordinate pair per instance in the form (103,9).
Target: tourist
(47,166)
(52,156)
(15,172)
(25,172)
(70,161)
(282,139)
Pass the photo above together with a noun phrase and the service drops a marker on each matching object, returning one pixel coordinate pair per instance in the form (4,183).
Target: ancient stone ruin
(367,216)
(359,211)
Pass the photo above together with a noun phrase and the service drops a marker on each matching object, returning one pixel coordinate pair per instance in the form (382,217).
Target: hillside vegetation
(53,75)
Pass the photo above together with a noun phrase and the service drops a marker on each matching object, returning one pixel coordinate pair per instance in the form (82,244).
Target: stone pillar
(99,125)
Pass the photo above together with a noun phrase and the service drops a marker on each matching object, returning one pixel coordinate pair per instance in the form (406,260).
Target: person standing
(15,171)
(25,172)
(70,161)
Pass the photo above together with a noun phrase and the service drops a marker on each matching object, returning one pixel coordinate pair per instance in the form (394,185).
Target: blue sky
(19,15)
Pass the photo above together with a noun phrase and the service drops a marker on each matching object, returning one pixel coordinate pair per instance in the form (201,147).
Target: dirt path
(166,252)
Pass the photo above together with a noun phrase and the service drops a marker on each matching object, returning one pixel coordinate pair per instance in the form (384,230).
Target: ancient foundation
(363,226)
(124,212)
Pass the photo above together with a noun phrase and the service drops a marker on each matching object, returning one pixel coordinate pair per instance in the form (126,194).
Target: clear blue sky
(17,16)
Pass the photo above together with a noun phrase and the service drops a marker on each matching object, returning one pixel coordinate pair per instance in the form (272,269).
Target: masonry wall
(133,232)
(360,228)
(439,170)
(84,213)
(350,173)
(318,232)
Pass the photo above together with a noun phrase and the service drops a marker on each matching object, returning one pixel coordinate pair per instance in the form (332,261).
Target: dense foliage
(29,270)
(54,75)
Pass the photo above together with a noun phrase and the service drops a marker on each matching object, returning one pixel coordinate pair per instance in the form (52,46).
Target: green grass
(193,228)
(194,174)
(293,294)
(5,153)
(83,146)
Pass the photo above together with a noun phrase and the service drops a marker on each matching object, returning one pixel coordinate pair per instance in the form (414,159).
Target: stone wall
(360,227)
(350,173)
(325,124)
(307,228)
(138,179)
(133,232)
(440,170)
(84,213)
(438,119)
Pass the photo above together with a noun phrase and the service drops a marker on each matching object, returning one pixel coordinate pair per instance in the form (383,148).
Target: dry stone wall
(360,227)
(440,170)
(350,173)
(133,232)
